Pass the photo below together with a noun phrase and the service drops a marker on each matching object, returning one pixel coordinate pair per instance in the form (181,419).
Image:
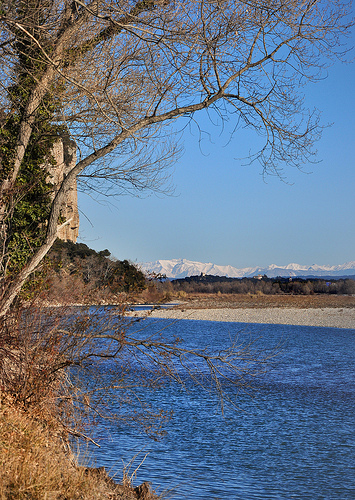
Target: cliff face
(64,152)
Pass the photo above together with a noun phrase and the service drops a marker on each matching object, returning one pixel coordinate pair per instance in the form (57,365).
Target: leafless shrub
(75,361)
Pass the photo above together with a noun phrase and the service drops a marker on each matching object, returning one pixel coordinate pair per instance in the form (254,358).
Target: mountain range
(181,268)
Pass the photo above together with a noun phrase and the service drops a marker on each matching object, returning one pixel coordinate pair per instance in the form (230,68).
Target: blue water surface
(292,437)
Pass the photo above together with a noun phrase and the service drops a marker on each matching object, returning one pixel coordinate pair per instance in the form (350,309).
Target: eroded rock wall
(64,152)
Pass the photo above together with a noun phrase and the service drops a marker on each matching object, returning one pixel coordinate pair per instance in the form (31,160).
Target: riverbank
(326,317)
(260,301)
(317,310)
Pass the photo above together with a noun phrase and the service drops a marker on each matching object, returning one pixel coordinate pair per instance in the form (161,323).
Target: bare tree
(115,362)
(121,77)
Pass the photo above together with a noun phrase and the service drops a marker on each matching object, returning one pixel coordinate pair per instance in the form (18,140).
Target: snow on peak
(181,268)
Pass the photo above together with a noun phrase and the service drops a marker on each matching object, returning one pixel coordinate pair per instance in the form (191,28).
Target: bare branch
(122,77)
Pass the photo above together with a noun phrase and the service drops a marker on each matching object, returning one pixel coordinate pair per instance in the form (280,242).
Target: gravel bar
(327,317)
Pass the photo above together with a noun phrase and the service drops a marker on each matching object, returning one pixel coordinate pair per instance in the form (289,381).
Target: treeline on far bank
(265,285)
(79,274)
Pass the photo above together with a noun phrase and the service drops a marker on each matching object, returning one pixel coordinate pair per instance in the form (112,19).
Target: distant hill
(182,268)
(79,274)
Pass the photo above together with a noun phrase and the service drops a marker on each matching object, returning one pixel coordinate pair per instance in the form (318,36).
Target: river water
(294,438)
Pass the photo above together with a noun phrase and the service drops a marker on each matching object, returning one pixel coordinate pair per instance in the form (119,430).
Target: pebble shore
(327,317)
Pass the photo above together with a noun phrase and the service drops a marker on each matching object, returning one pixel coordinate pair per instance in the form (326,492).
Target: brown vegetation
(43,407)
(76,272)
(205,301)
(35,465)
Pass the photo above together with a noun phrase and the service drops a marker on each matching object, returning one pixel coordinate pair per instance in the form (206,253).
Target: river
(292,438)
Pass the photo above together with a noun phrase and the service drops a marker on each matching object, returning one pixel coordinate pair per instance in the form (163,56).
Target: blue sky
(224,212)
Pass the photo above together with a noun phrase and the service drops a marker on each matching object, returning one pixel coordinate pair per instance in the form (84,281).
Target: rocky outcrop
(64,152)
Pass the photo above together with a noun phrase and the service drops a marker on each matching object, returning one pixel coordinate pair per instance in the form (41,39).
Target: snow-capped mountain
(181,268)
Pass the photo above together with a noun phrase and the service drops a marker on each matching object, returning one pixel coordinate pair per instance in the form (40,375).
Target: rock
(64,152)
(144,492)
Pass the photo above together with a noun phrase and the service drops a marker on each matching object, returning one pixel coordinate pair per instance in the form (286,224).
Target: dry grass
(39,410)
(34,464)
(206,301)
